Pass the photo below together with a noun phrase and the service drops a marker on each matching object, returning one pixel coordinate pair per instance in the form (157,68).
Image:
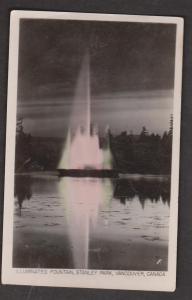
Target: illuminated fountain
(83,157)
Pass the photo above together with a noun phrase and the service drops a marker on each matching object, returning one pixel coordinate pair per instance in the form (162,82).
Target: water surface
(91,223)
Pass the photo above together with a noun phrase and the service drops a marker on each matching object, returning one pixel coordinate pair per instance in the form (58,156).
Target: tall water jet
(88,96)
(82,140)
(64,162)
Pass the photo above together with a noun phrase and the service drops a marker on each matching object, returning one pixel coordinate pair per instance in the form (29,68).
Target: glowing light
(83,197)
(82,149)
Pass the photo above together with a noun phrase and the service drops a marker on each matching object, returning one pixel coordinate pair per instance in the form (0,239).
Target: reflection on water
(154,190)
(22,190)
(83,198)
(91,223)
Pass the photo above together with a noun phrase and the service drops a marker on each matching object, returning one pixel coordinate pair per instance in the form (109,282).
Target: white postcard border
(159,281)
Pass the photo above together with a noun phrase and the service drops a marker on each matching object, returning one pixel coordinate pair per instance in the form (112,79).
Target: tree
(19,126)
(170,133)
(23,146)
(144,133)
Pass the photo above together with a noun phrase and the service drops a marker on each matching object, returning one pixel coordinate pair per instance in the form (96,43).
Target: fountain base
(88,173)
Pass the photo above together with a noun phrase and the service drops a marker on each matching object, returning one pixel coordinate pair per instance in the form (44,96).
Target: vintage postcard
(92,150)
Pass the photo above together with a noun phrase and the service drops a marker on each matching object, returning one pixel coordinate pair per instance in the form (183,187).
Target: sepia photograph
(92,150)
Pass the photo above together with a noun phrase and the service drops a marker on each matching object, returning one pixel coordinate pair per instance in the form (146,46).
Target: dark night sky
(131,63)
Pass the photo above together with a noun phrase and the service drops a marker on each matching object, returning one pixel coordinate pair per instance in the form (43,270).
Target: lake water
(91,223)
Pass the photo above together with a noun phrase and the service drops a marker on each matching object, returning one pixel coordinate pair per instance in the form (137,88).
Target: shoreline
(135,176)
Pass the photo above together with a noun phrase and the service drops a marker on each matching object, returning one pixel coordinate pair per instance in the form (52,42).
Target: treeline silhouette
(143,153)
(36,153)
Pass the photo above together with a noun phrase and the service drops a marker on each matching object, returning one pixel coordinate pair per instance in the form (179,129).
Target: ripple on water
(151,238)
(20,226)
(160,226)
(51,224)
(121,223)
